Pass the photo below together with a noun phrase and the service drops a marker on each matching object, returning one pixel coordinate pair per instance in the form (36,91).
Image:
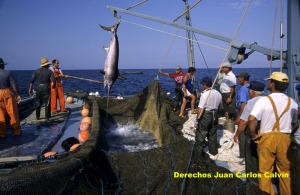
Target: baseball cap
(244,75)
(178,68)
(226,64)
(256,86)
(279,76)
(206,80)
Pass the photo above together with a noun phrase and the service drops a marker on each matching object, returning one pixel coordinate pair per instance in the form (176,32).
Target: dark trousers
(242,138)
(251,157)
(178,97)
(207,127)
(43,97)
(296,154)
(230,108)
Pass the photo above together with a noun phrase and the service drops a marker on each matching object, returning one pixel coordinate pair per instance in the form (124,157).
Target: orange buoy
(85,112)
(70,99)
(83,136)
(51,153)
(84,126)
(86,106)
(87,119)
(74,147)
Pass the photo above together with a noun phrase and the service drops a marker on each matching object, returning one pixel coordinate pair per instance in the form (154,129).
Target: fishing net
(173,168)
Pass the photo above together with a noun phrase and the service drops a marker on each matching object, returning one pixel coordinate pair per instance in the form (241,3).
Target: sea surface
(134,82)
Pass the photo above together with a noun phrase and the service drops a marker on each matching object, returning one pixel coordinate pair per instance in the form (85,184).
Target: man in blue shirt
(242,98)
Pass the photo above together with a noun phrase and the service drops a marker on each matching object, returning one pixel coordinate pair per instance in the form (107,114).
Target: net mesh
(173,168)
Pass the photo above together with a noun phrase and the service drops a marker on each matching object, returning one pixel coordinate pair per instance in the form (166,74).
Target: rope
(202,55)
(187,10)
(80,78)
(174,35)
(136,4)
(273,36)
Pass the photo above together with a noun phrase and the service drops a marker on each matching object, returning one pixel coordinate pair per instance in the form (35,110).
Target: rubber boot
(2,129)
(38,113)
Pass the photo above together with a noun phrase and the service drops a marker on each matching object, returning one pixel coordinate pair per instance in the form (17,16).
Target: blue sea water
(134,82)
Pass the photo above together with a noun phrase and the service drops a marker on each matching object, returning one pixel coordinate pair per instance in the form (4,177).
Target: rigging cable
(236,32)
(202,54)
(221,48)
(273,37)
(281,35)
(187,10)
(136,4)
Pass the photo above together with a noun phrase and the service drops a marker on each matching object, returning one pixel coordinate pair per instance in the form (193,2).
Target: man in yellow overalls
(277,113)
(8,102)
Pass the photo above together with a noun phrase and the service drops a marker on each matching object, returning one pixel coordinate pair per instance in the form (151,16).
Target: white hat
(226,64)
(178,68)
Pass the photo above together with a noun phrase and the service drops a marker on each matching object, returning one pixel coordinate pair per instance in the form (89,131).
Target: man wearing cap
(227,89)
(242,98)
(44,78)
(178,78)
(255,91)
(207,116)
(277,113)
(8,102)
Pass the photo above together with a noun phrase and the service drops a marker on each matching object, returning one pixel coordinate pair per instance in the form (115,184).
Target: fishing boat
(172,168)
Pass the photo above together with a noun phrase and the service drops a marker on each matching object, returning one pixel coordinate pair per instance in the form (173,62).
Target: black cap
(256,86)
(206,80)
(2,62)
(245,75)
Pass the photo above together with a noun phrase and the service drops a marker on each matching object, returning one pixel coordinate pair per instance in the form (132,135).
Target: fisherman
(242,98)
(8,102)
(296,146)
(278,113)
(45,78)
(256,91)
(186,86)
(227,89)
(178,78)
(207,116)
(57,92)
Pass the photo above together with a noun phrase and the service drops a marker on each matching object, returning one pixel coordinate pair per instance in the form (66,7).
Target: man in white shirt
(278,113)
(207,115)
(227,89)
(255,91)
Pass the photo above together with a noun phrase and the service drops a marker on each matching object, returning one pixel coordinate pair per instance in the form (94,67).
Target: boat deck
(39,136)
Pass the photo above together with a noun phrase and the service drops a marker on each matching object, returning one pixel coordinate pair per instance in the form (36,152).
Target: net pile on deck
(167,169)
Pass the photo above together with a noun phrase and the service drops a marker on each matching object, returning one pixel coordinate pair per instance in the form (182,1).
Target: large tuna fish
(111,71)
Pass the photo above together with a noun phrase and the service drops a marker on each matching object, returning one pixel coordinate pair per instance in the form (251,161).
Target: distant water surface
(134,82)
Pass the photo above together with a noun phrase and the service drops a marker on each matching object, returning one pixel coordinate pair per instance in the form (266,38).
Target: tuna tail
(113,28)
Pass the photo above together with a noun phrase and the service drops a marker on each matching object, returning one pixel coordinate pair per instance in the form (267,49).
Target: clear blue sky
(69,30)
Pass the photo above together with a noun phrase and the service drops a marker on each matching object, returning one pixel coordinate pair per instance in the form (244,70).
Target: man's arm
(252,126)
(229,99)
(241,128)
(164,73)
(240,112)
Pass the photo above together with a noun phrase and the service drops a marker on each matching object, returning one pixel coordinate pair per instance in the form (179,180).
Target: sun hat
(206,80)
(2,62)
(256,86)
(226,64)
(178,68)
(279,76)
(45,62)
